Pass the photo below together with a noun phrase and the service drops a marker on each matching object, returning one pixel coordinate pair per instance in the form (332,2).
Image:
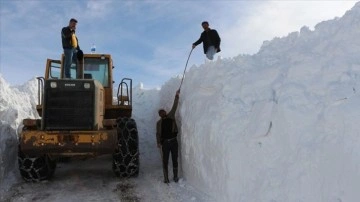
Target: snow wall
(280,125)
(16,103)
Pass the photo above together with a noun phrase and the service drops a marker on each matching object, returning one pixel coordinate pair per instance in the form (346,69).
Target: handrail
(120,90)
(40,89)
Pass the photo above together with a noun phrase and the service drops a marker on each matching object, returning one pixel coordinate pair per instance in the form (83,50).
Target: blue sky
(149,40)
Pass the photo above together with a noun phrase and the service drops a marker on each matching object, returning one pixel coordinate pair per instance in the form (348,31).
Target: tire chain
(35,169)
(126,156)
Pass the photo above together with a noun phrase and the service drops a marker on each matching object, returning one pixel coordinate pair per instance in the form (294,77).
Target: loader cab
(95,66)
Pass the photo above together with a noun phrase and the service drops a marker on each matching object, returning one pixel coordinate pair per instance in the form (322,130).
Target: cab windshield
(94,68)
(98,69)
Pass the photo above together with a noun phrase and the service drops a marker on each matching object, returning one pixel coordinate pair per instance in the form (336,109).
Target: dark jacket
(209,38)
(66,38)
(171,115)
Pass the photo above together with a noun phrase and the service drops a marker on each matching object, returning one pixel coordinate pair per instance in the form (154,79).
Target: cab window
(54,70)
(98,69)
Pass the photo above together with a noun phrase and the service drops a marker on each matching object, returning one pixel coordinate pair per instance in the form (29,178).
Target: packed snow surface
(281,125)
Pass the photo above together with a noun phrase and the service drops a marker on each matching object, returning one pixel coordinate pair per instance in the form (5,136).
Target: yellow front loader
(80,118)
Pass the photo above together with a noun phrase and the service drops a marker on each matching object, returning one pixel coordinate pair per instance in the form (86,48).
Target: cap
(73,20)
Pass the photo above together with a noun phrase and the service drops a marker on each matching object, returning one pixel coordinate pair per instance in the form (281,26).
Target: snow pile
(145,104)
(16,103)
(8,154)
(280,125)
(19,102)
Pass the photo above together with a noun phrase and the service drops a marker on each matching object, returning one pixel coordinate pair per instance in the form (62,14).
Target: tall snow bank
(16,104)
(281,125)
(145,103)
(8,154)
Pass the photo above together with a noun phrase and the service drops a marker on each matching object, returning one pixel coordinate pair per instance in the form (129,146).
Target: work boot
(166,176)
(176,178)
(166,179)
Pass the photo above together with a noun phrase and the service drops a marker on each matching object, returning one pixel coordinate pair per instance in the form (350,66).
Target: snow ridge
(276,121)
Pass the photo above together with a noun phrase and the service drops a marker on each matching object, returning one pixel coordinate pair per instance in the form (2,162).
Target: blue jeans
(70,57)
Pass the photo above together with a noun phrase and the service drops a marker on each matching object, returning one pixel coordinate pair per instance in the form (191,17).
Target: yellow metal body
(68,143)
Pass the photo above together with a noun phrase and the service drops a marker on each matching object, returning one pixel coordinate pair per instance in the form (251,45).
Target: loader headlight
(87,85)
(53,84)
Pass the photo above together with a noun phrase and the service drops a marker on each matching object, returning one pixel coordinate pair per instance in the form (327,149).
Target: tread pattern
(35,169)
(126,156)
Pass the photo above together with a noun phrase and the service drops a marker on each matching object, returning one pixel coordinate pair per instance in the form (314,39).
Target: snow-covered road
(93,180)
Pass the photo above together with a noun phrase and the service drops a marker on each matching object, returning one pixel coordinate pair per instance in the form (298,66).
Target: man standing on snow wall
(166,137)
(71,46)
(210,39)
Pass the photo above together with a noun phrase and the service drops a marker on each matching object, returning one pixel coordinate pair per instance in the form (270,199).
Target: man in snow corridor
(71,46)
(166,137)
(210,39)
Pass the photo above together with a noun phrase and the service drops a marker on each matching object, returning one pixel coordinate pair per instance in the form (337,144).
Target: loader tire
(36,168)
(126,156)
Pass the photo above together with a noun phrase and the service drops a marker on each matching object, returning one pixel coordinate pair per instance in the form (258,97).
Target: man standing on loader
(70,45)
(210,39)
(166,136)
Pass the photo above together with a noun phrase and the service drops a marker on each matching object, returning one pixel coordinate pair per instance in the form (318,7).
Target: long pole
(185,68)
